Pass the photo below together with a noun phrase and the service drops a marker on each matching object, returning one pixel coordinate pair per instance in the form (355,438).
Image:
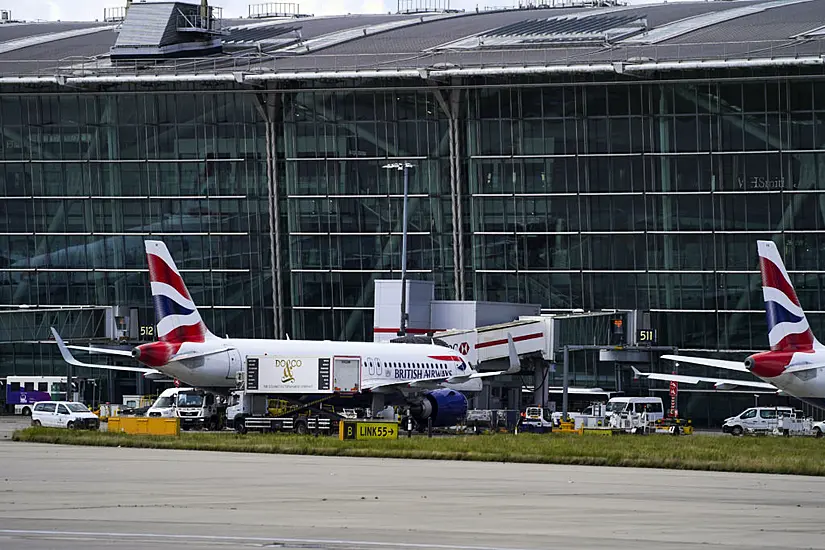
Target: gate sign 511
(646,336)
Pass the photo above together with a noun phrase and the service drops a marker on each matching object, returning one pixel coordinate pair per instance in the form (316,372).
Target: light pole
(405,166)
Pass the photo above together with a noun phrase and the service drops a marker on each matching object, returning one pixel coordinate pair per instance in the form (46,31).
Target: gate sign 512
(646,336)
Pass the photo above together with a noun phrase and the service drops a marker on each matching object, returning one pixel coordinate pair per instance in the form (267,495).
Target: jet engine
(154,354)
(445,408)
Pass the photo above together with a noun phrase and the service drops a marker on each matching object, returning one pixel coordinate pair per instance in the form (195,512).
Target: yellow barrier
(148,426)
(597,431)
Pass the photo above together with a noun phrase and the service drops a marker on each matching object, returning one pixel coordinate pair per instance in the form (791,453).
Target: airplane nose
(136,353)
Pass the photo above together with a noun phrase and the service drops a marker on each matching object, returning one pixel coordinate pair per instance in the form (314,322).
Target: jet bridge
(485,344)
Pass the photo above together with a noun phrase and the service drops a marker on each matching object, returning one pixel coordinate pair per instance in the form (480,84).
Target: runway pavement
(77,498)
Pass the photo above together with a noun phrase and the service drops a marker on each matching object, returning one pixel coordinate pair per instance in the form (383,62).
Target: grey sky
(89,10)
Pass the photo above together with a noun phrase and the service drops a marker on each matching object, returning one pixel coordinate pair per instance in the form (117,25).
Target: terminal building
(585,157)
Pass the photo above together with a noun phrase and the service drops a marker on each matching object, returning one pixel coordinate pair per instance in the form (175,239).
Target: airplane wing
(67,356)
(403,383)
(719,383)
(90,349)
(718,363)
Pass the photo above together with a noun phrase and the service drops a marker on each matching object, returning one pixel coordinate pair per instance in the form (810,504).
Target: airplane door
(346,374)
(234,364)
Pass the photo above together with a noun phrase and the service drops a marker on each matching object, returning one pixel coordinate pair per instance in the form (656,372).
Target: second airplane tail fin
(788,328)
(176,314)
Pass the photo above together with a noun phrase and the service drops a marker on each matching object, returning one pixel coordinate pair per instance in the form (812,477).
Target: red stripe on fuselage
(445,358)
(772,277)
(161,272)
(384,330)
(515,339)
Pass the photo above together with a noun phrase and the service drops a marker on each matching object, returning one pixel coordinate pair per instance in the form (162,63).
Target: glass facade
(572,195)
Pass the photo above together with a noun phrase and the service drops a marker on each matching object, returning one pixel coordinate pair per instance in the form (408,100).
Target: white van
(653,406)
(756,419)
(64,414)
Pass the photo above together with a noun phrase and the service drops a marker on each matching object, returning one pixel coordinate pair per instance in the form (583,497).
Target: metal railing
(252,63)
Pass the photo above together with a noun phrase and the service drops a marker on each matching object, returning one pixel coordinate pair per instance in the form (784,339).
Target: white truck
(196,408)
(292,393)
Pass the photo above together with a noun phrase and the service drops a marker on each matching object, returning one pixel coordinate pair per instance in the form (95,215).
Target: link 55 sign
(367,430)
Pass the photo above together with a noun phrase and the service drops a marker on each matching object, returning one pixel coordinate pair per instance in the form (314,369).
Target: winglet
(636,372)
(515,362)
(64,351)
(69,358)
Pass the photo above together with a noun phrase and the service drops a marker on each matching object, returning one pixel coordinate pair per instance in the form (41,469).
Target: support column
(541,383)
(269,107)
(665,177)
(450,105)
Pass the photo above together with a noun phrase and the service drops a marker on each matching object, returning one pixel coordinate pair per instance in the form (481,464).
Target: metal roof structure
(536,40)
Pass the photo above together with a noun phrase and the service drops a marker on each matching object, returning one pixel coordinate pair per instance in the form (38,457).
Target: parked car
(64,414)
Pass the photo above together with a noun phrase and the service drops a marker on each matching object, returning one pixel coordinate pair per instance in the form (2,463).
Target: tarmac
(133,499)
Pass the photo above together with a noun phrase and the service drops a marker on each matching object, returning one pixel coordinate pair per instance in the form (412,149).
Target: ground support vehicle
(260,412)
(673,426)
(64,414)
(535,420)
(799,425)
(757,420)
(197,409)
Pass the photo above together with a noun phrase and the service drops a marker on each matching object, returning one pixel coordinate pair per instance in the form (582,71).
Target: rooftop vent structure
(591,30)
(262,38)
(540,5)
(168,29)
(114,15)
(424,6)
(275,9)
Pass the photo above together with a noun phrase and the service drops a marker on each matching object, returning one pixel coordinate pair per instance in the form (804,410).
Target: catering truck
(296,394)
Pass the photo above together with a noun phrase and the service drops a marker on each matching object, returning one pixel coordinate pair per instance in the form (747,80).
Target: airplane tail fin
(176,314)
(788,328)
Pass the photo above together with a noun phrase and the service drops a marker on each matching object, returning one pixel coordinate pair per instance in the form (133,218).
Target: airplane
(796,358)
(428,376)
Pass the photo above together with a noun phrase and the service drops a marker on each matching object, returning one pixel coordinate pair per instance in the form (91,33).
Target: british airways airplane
(188,351)
(795,364)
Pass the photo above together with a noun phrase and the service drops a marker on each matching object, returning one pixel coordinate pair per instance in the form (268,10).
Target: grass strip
(773,455)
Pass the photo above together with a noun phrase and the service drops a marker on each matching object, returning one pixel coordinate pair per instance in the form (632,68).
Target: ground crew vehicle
(651,407)
(64,414)
(260,412)
(756,420)
(196,409)
(535,420)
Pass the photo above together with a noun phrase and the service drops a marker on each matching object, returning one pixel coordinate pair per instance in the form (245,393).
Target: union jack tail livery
(176,315)
(788,329)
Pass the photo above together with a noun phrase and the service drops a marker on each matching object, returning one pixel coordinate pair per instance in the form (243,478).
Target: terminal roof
(624,38)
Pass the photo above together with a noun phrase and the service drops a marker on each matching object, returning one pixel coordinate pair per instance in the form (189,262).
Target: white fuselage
(381,364)
(807,385)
